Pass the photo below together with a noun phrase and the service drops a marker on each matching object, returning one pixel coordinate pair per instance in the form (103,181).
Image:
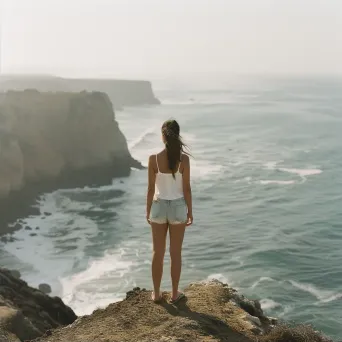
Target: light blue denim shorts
(169,211)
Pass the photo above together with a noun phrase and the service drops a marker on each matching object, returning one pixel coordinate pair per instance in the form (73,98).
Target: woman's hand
(190,219)
(148,218)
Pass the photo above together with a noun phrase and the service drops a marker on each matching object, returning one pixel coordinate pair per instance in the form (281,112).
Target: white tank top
(167,187)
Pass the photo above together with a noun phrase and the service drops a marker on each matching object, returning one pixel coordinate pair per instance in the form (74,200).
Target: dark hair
(174,144)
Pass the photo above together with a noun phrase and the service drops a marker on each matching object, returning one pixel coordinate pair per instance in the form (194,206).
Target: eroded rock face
(27,313)
(56,140)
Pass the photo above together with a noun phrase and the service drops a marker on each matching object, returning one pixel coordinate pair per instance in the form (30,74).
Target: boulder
(45,288)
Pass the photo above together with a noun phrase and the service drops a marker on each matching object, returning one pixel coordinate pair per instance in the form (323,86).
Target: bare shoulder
(152,157)
(185,159)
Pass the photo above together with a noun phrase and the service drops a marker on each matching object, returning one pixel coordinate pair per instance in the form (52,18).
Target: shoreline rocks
(28,313)
(45,288)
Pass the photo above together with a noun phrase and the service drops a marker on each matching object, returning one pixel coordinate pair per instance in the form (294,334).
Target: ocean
(267,192)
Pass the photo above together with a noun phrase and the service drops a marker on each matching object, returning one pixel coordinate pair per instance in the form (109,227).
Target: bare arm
(151,185)
(187,187)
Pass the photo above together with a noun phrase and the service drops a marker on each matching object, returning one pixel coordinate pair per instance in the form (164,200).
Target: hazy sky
(160,37)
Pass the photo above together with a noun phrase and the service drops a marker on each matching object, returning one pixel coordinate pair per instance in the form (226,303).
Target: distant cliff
(50,141)
(121,92)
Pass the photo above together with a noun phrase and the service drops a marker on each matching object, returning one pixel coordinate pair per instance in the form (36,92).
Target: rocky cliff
(27,313)
(50,141)
(210,312)
(121,92)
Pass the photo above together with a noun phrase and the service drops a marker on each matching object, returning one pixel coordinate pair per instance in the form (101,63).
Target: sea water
(267,192)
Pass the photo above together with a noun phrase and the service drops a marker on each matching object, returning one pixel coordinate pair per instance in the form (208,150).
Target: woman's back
(168,206)
(168,186)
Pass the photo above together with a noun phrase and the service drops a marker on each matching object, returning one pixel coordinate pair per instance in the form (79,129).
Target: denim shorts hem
(169,211)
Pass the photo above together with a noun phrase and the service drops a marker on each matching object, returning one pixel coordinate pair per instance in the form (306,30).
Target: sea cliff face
(50,141)
(121,92)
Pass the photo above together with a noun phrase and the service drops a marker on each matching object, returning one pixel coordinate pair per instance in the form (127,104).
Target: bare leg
(159,232)
(176,242)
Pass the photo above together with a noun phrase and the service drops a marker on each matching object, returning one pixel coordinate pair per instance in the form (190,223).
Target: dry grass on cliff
(206,315)
(300,333)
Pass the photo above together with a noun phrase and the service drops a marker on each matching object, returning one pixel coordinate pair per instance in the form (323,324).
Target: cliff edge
(50,141)
(211,311)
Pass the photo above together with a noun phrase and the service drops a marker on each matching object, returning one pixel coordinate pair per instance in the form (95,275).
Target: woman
(169,206)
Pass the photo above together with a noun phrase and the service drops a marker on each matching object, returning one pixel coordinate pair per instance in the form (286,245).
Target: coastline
(21,203)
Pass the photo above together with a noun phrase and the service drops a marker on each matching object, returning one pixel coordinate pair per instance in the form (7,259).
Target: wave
(261,280)
(87,290)
(150,132)
(272,165)
(302,172)
(324,296)
(220,277)
(279,182)
(269,304)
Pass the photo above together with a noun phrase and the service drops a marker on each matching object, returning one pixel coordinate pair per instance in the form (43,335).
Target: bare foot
(155,298)
(177,298)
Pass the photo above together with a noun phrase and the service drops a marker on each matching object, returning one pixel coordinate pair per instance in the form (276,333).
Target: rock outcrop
(210,312)
(27,313)
(50,141)
(121,92)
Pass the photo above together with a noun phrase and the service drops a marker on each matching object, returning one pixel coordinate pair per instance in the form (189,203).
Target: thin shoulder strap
(157,162)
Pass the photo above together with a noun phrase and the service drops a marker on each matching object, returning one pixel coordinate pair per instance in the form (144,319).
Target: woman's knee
(175,253)
(159,253)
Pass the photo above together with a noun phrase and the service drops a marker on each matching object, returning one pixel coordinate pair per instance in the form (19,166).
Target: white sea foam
(287,310)
(271,165)
(278,182)
(87,290)
(245,179)
(332,298)
(261,280)
(202,169)
(150,132)
(324,296)
(302,172)
(269,304)
(219,277)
